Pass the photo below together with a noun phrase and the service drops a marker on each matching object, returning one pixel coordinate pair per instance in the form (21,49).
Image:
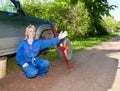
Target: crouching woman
(28,50)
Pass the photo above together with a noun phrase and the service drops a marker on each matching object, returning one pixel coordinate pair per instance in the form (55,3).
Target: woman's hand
(62,34)
(25,65)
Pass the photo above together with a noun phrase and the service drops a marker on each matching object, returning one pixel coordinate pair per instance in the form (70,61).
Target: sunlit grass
(88,42)
(51,55)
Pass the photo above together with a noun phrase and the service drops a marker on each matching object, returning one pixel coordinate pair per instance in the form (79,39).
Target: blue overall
(27,53)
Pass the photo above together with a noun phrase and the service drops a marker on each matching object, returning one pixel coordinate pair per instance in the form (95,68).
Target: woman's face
(31,33)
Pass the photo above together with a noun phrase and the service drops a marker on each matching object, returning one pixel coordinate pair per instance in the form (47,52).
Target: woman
(28,50)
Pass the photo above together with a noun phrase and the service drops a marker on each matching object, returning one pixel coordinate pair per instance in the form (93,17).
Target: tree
(79,17)
(97,9)
(111,24)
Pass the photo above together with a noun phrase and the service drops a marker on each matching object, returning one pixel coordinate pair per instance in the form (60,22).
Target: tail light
(55,29)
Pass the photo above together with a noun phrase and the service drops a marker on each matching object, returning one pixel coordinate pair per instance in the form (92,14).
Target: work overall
(27,53)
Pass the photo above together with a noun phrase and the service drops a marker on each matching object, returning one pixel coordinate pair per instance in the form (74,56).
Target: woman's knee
(46,63)
(30,71)
(31,74)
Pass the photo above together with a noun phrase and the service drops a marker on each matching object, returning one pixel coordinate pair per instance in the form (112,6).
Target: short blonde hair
(27,29)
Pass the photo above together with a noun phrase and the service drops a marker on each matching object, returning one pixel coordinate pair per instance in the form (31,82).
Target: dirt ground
(94,69)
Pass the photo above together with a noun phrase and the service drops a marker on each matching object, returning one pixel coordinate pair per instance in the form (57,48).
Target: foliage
(97,9)
(78,20)
(111,24)
(73,18)
(79,17)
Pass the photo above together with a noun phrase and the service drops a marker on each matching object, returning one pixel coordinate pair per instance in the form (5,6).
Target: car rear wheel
(47,34)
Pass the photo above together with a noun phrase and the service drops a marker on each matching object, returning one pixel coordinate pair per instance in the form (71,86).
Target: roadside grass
(77,45)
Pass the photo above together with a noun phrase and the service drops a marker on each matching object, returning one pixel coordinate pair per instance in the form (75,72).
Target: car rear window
(8,6)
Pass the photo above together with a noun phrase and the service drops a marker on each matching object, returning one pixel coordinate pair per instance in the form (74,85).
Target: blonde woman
(28,50)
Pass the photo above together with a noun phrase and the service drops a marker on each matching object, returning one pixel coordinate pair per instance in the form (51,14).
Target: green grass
(88,42)
(77,45)
(12,64)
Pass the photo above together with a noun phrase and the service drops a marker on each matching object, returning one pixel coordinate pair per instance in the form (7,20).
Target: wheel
(68,49)
(46,34)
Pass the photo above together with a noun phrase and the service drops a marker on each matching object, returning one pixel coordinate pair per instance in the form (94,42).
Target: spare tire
(68,49)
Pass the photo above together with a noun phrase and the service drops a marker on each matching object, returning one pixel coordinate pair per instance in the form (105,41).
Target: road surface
(94,69)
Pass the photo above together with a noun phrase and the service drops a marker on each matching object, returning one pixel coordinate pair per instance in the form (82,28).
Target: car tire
(46,34)
(68,52)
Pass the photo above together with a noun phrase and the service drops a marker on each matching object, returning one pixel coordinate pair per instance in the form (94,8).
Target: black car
(14,20)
